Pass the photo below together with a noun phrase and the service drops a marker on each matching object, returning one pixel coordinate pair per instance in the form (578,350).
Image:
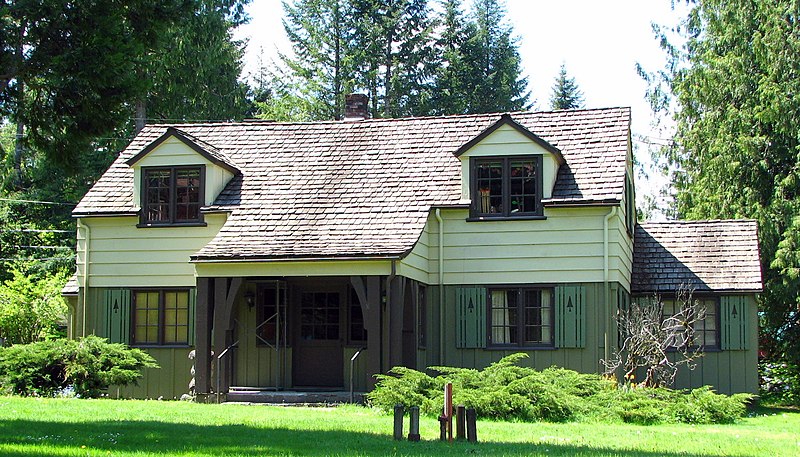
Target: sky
(600,42)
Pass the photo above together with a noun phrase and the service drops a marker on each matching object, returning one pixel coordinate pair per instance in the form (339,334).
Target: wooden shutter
(733,320)
(118,315)
(470,317)
(570,316)
(192,303)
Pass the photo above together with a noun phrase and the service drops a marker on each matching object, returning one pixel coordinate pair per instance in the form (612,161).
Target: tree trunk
(337,65)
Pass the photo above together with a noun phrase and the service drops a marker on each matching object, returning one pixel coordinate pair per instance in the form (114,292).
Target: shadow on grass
(47,438)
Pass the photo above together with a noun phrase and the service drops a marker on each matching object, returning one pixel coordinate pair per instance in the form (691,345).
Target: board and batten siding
(122,255)
(734,368)
(566,247)
(174,152)
(585,359)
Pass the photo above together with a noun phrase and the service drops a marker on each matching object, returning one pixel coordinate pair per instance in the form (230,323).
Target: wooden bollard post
(413,426)
(399,410)
(461,422)
(448,410)
(472,426)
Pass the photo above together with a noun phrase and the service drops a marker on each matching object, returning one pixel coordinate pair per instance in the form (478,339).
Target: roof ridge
(382,120)
(695,221)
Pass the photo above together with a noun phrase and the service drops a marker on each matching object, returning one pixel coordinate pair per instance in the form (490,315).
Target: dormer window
(506,187)
(172,195)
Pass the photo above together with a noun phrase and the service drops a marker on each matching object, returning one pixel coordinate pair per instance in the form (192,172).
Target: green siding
(570,316)
(470,317)
(733,320)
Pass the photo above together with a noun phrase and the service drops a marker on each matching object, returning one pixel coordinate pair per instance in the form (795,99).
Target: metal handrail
(220,356)
(352,362)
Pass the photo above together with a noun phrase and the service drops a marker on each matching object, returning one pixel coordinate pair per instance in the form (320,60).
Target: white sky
(599,41)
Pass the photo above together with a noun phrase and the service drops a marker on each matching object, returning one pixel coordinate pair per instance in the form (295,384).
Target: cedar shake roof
(718,255)
(364,189)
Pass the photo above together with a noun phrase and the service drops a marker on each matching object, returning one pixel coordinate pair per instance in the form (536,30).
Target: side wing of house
(134,281)
(716,265)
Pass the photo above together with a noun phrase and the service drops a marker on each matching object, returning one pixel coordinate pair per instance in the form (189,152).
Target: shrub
(780,383)
(507,391)
(88,365)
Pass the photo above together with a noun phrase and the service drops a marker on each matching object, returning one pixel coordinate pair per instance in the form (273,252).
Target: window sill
(520,348)
(531,217)
(177,224)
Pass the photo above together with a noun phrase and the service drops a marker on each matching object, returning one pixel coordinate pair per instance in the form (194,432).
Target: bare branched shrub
(655,342)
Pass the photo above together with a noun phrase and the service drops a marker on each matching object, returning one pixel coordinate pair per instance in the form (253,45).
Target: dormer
(507,171)
(175,176)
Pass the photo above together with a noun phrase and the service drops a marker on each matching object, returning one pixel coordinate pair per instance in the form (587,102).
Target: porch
(307,335)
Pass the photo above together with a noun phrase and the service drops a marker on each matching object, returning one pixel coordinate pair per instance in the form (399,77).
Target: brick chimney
(355,107)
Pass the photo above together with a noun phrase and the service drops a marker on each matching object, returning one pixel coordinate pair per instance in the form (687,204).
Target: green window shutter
(192,303)
(733,320)
(118,315)
(570,316)
(470,317)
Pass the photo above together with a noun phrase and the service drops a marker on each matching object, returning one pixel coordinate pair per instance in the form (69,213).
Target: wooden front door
(317,353)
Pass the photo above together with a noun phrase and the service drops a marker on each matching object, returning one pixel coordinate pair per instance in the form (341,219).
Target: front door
(317,352)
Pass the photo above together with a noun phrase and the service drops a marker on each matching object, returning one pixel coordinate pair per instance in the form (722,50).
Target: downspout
(439,220)
(606,351)
(86,237)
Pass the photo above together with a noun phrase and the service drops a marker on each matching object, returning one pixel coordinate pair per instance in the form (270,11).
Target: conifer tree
(566,94)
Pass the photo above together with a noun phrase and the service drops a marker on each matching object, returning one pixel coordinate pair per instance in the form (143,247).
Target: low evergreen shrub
(86,366)
(780,383)
(507,391)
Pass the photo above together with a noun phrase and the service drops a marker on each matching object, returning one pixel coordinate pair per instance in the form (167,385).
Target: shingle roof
(364,188)
(71,287)
(718,255)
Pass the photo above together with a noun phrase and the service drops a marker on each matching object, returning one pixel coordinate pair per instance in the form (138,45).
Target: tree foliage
(408,59)
(31,307)
(735,90)
(566,93)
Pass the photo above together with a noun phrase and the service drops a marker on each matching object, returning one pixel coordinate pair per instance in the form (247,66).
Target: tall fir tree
(452,76)
(496,83)
(322,67)
(566,94)
(735,152)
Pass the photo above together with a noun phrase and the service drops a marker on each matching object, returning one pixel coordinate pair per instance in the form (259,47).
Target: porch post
(225,291)
(202,341)
(397,302)
(368,289)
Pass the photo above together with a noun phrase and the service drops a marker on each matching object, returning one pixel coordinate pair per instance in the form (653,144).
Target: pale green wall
(122,255)
(508,141)
(566,247)
(416,264)
(174,152)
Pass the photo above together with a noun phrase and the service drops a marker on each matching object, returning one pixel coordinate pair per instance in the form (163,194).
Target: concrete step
(291,398)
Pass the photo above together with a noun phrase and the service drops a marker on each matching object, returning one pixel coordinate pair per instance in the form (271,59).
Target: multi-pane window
(319,316)
(272,327)
(172,195)
(507,187)
(161,317)
(521,317)
(706,330)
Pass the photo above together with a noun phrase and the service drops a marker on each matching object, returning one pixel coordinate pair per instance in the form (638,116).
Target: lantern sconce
(250,298)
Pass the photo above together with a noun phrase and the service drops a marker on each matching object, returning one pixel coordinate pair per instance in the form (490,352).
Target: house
(279,251)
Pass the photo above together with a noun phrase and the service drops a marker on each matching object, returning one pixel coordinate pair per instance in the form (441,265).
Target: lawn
(69,427)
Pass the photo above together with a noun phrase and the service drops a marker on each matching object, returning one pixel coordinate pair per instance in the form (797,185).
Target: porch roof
(704,256)
(331,189)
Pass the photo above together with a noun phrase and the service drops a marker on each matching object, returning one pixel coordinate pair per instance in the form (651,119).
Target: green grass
(69,427)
